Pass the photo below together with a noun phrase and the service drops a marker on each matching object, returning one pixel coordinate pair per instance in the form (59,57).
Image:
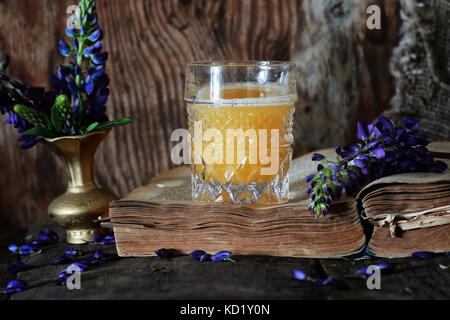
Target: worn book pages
(409,201)
(409,212)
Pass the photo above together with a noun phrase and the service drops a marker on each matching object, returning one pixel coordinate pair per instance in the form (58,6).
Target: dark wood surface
(343,73)
(249,278)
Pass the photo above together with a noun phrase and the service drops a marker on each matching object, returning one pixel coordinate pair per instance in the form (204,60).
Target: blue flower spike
(383,149)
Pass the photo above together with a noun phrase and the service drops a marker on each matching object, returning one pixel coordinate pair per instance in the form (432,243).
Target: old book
(408,212)
(162,215)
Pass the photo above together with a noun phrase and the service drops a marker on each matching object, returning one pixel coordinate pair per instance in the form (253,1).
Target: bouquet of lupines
(383,150)
(77,104)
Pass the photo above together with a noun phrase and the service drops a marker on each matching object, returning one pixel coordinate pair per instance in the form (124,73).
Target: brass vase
(83,202)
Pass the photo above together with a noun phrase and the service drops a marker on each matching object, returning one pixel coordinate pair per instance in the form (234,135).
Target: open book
(162,215)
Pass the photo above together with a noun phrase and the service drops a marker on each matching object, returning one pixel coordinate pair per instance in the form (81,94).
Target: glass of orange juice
(240,120)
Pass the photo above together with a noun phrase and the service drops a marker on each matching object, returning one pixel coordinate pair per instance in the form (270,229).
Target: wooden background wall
(343,72)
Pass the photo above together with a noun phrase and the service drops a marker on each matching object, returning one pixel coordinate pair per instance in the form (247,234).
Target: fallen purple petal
(205,257)
(103,240)
(62,278)
(164,253)
(317,157)
(14,248)
(384,267)
(197,254)
(300,275)
(72,253)
(102,256)
(108,240)
(81,267)
(48,235)
(423,255)
(17,267)
(334,282)
(61,260)
(15,286)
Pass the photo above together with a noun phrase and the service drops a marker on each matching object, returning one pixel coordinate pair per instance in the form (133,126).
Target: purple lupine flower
(24,250)
(333,282)
(205,257)
(384,268)
(72,253)
(15,286)
(197,254)
(300,275)
(317,157)
(104,256)
(95,36)
(222,256)
(48,236)
(17,267)
(164,253)
(61,260)
(64,48)
(67,257)
(81,266)
(201,255)
(4,64)
(423,255)
(383,150)
(103,240)
(108,240)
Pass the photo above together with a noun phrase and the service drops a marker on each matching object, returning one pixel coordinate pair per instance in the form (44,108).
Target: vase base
(80,236)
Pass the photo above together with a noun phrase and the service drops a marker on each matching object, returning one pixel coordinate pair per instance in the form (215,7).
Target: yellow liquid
(266,115)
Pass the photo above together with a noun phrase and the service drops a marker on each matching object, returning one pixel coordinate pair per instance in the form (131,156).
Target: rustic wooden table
(249,278)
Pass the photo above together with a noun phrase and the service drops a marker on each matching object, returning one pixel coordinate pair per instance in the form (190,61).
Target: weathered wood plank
(411,278)
(249,278)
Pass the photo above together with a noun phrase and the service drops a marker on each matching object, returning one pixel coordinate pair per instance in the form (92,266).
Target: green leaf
(39,131)
(92,127)
(115,123)
(56,119)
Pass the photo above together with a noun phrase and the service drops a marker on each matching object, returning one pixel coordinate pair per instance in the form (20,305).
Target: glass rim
(240,63)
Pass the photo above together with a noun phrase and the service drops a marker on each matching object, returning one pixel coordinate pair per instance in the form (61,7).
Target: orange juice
(243,151)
